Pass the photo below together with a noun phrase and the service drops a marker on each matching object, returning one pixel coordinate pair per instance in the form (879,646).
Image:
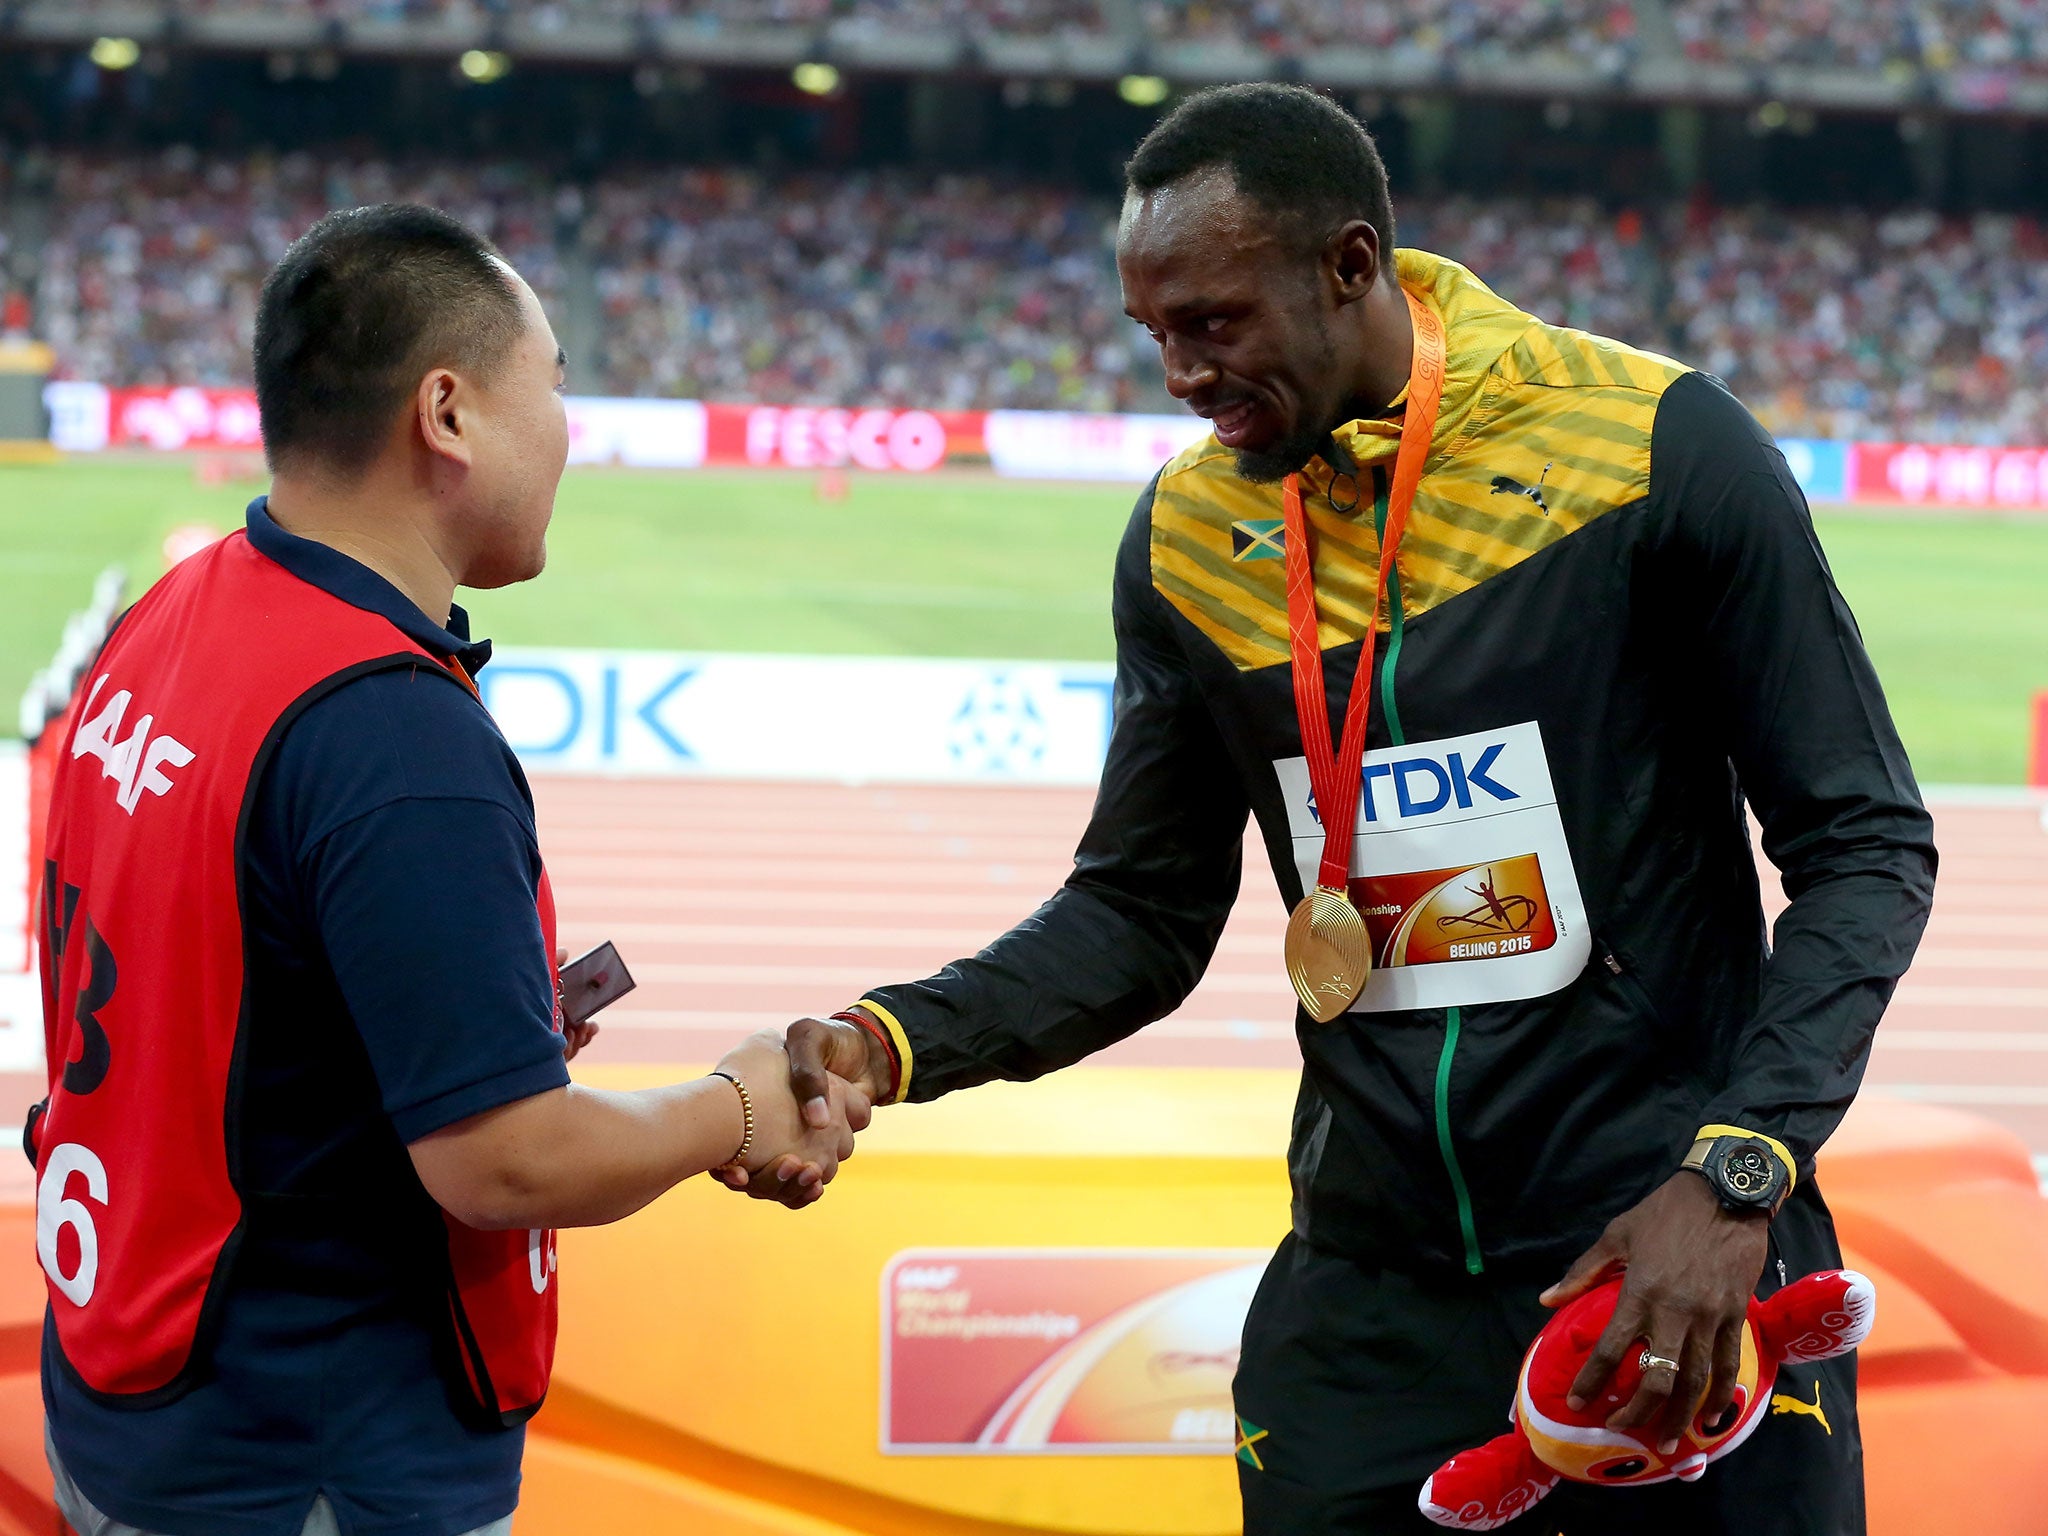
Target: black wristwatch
(1746,1172)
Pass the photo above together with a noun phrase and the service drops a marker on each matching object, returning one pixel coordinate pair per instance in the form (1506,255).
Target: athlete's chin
(1274,461)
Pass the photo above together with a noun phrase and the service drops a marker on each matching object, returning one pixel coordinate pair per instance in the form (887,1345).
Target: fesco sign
(801,437)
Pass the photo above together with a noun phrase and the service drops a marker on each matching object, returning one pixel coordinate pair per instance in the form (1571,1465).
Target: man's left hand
(1690,1270)
(574,1036)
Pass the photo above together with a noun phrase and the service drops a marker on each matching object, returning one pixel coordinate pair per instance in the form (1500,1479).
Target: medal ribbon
(1334,773)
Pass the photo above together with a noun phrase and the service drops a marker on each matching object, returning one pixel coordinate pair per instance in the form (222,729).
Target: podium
(965,1337)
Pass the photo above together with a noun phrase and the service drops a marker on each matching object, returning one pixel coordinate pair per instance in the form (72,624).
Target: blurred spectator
(1563,259)
(1855,325)
(152,271)
(1868,34)
(1029,17)
(969,292)
(1871,35)
(954,293)
(1596,33)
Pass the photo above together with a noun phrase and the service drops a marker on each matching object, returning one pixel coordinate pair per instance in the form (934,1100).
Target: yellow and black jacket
(1613,626)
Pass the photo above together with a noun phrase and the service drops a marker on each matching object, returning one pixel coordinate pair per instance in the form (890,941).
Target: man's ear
(1352,259)
(441,406)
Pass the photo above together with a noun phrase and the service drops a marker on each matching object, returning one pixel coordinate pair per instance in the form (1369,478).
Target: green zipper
(1453,1018)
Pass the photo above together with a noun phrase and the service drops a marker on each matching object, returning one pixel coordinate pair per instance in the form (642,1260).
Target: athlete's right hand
(792,1158)
(821,1049)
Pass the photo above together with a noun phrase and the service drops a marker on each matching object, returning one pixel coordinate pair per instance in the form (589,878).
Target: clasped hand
(828,1063)
(1689,1268)
(797,1146)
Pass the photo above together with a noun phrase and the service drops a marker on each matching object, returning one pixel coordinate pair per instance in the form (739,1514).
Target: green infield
(968,565)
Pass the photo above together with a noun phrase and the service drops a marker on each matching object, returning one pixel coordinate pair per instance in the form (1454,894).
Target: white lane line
(1261,983)
(1971,997)
(1171,1029)
(1983,794)
(1962,1039)
(1990,1095)
(1940,957)
(14,870)
(944,943)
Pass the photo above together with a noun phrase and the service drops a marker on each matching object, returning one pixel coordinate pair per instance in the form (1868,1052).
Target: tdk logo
(1421,786)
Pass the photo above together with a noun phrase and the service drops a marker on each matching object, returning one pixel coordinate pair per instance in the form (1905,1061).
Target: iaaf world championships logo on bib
(1472,912)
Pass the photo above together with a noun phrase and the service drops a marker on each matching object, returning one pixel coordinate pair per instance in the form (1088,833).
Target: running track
(743,905)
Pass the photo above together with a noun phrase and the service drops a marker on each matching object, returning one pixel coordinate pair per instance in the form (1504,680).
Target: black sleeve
(1793,700)
(1130,933)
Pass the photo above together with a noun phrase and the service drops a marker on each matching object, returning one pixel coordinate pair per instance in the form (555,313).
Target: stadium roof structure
(1654,68)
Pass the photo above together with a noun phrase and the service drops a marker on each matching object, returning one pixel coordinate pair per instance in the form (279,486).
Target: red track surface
(743,905)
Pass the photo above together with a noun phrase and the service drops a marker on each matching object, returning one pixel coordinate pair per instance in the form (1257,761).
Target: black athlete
(1600,695)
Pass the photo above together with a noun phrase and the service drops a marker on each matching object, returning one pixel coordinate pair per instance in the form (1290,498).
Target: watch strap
(1708,1134)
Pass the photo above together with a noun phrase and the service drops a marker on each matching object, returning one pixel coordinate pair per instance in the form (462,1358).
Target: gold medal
(1328,949)
(1329,953)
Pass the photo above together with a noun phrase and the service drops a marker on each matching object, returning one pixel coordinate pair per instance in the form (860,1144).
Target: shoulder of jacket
(1559,357)
(1195,461)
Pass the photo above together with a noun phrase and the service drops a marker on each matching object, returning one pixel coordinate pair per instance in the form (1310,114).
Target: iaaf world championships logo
(1466,912)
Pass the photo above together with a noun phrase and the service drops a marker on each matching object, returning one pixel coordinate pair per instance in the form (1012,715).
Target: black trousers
(1355,1384)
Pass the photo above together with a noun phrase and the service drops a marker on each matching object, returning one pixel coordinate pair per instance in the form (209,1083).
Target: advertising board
(1922,475)
(1068,445)
(833,717)
(1063,1351)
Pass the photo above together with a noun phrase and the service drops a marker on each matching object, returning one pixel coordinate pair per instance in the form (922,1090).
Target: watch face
(1748,1172)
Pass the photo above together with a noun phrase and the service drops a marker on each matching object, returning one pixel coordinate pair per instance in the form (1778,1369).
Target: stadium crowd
(967,292)
(953,293)
(2005,35)
(1020,17)
(1600,34)
(1998,35)
(153,269)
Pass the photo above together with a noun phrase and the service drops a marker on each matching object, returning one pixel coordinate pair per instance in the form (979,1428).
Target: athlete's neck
(1386,352)
(368,523)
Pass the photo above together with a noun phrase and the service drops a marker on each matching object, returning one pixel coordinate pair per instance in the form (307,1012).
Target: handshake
(810,1091)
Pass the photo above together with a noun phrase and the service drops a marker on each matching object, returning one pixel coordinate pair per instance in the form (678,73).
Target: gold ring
(1648,1362)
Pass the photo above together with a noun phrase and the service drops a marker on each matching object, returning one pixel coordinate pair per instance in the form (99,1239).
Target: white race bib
(1460,868)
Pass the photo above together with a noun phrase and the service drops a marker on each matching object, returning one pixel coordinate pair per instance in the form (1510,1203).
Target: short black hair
(1291,150)
(362,305)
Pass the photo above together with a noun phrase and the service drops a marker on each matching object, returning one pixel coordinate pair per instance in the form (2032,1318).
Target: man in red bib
(309,1124)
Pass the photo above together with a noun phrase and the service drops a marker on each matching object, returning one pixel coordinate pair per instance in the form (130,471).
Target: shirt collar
(342,576)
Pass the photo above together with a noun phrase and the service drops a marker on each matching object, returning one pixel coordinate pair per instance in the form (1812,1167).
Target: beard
(1276,461)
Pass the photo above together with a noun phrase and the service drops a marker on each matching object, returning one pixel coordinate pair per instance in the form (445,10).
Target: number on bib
(56,1210)
(540,1258)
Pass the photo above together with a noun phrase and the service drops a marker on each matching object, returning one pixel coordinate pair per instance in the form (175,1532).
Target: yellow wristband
(902,1043)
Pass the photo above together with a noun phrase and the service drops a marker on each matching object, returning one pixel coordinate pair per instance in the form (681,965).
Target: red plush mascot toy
(1816,1318)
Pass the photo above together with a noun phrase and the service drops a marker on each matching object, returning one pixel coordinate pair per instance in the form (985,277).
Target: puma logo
(1783,1402)
(1508,485)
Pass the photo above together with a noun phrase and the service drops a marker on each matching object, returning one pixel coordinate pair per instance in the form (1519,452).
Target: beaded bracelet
(746,1116)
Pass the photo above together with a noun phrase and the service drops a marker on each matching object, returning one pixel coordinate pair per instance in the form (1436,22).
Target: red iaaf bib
(138,1215)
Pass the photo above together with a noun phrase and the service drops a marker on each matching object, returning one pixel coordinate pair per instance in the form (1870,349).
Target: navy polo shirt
(397,984)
